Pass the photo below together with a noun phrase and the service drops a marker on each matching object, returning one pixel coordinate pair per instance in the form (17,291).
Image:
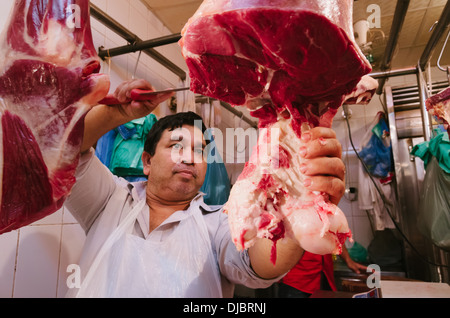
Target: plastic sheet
(128,146)
(434,207)
(337,11)
(438,147)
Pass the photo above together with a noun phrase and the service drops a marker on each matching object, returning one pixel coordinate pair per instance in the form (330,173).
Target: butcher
(158,238)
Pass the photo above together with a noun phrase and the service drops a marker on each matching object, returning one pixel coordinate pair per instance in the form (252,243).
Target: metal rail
(133,39)
(393,73)
(139,46)
(397,24)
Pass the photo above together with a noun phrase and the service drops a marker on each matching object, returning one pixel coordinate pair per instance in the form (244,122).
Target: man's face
(177,170)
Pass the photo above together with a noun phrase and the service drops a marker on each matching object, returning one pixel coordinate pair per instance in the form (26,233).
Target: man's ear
(146,158)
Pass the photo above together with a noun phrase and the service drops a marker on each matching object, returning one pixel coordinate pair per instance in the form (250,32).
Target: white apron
(181,266)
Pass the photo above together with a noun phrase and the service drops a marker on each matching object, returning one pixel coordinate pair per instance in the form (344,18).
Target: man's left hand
(324,166)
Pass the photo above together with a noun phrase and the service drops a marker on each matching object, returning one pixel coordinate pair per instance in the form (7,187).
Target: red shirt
(306,275)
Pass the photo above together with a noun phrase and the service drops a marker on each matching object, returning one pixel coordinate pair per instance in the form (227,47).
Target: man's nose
(187,156)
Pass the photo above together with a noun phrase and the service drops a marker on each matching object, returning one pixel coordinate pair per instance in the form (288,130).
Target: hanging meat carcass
(293,63)
(48,82)
(439,105)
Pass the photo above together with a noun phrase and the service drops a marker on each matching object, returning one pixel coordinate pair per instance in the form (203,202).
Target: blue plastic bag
(376,152)
(105,146)
(217,185)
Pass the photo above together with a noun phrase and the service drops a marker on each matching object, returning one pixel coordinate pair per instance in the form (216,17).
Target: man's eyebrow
(176,137)
(180,137)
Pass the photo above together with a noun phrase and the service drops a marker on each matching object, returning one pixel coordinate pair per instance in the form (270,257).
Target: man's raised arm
(102,118)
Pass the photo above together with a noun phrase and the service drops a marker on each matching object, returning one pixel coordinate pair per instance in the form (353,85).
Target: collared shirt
(99,201)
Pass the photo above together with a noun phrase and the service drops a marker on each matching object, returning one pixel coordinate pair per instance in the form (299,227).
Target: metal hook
(432,27)
(240,121)
(442,51)
(137,63)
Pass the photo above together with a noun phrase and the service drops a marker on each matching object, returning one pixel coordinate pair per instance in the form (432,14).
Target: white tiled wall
(34,259)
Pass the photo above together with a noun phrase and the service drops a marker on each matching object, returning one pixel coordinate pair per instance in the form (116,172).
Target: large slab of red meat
(439,105)
(47,85)
(293,63)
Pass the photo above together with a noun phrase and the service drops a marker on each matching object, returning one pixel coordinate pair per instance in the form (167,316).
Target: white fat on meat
(269,199)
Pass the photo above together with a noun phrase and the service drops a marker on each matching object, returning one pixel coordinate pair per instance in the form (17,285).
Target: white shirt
(99,201)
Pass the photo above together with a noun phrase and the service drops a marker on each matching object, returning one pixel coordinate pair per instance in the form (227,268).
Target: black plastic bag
(385,249)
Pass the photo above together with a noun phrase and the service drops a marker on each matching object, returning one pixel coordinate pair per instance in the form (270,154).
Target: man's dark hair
(171,123)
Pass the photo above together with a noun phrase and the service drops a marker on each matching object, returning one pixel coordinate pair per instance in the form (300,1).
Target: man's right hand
(137,109)
(102,118)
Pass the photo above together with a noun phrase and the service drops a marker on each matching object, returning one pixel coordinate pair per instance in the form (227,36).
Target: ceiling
(421,16)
